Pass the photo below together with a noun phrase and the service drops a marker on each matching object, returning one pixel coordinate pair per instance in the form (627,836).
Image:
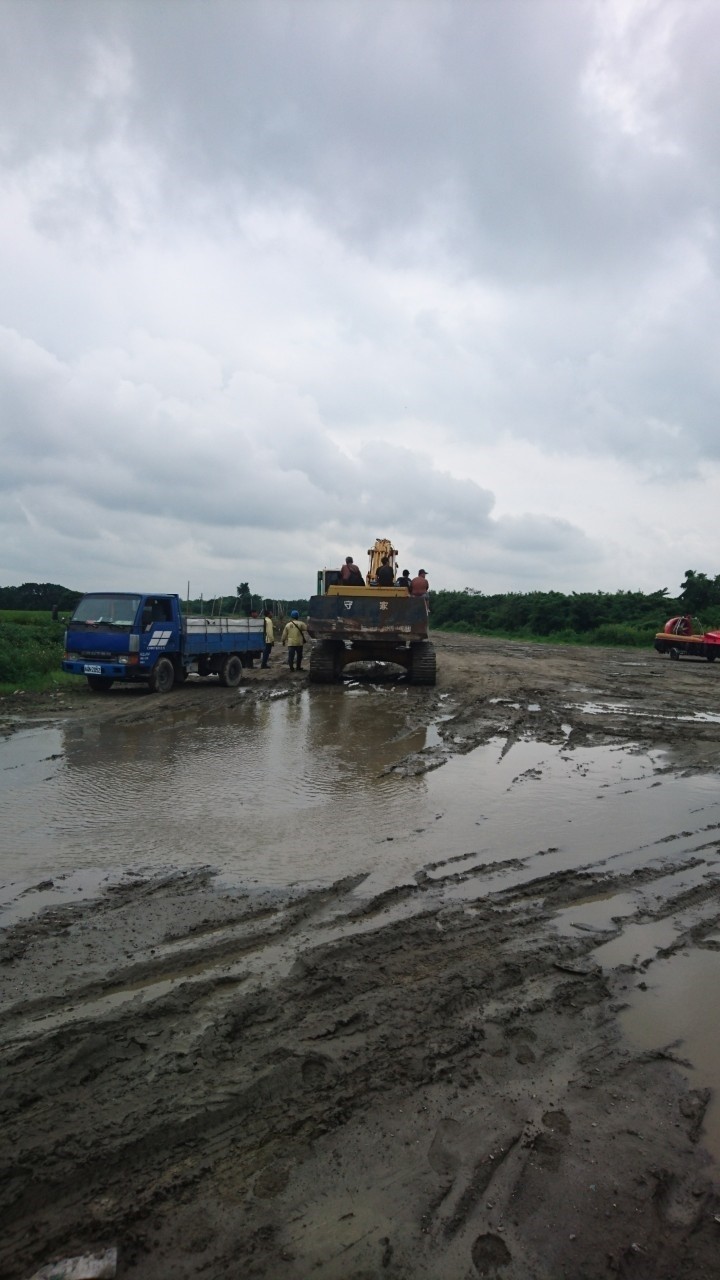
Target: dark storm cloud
(482,126)
(380,115)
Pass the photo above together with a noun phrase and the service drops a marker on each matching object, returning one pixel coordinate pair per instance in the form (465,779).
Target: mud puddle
(275,791)
(280,792)
(536,809)
(674,1010)
(670,1004)
(384,1038)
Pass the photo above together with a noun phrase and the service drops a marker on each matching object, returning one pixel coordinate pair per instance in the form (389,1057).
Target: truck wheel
(323,668)
(423,666)
(231,671)
(99,684)
(162,677)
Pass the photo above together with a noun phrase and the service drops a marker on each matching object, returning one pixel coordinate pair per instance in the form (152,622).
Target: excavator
(368,623)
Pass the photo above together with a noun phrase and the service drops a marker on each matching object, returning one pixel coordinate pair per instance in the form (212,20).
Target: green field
(31,650)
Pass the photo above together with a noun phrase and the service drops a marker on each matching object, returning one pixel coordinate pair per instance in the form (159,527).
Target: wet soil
(314,1081)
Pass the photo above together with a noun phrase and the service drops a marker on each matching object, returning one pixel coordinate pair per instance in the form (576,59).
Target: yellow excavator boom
(383,547)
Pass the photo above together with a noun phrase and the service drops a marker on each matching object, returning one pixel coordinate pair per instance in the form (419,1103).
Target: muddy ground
(318,1084)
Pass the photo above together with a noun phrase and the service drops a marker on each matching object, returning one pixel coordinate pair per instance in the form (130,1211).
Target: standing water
(306,789)
(303,789)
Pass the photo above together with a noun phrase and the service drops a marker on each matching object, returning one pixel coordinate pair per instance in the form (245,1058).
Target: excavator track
(323,667)
(423,665)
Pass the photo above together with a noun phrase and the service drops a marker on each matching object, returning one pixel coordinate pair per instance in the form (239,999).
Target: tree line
(39,595)
(599,617)
(45,596)
(595,617)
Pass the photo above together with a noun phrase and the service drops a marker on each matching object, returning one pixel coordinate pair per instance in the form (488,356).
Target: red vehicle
(679,638)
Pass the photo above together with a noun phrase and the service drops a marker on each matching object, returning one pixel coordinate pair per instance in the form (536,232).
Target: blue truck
(137,638)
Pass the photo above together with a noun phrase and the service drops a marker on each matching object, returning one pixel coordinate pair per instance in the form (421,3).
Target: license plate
(92,669)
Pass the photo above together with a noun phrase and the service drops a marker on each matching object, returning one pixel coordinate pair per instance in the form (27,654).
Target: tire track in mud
(241,934)
(229,1107)
(224,1086)
(429,1082)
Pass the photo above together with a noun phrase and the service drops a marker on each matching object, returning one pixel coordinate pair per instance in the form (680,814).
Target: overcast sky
(280,277)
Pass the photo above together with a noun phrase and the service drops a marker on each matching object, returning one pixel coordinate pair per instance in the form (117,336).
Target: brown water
(274,792)
(294,790)
(676,1009)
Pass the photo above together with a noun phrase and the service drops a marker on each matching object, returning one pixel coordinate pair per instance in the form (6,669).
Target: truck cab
(119,635)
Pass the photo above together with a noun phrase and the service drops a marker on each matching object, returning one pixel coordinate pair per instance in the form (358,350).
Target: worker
(405,581)
(419,585)
(384,576)
(350,574)
(295,636)
(269,638)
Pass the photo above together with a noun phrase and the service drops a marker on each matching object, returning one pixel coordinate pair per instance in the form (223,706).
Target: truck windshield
(106,611)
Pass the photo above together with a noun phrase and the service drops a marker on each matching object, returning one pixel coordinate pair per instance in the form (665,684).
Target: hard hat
(294,613)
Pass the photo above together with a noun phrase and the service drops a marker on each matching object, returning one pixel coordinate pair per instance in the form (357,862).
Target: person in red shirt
(419,585)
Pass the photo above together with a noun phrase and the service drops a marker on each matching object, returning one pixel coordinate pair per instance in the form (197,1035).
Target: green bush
(31,648)
(617,633)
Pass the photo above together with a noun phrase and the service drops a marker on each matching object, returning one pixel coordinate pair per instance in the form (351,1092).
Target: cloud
(280,278)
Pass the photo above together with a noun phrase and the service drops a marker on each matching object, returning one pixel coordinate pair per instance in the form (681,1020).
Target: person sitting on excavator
(350,574)
(385,574)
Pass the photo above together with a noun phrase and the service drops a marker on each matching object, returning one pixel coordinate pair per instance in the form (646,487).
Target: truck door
(156,609)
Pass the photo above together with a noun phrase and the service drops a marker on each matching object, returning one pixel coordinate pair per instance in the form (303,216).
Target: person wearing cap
(295,636)
(419,585)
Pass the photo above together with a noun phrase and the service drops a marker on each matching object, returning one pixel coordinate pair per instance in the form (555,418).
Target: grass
(31,650)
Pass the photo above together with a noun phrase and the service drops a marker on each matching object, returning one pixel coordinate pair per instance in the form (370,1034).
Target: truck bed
(223,634)
(198,625)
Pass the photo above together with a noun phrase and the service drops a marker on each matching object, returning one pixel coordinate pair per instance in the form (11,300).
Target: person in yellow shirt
(269,638)
(295,636)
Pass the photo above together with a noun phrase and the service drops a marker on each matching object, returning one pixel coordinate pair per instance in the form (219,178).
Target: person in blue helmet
(295,636)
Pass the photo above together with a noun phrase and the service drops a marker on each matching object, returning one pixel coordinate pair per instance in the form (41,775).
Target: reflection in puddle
(294,791)
(279,791)
(680,1004)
